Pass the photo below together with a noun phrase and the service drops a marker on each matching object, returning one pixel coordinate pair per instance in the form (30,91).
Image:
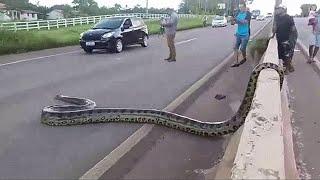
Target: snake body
(84,111)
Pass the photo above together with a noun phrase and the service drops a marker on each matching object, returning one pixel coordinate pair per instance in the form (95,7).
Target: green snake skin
(84,111)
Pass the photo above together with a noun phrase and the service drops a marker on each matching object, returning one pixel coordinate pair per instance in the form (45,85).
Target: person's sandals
(242,61)
(235,65)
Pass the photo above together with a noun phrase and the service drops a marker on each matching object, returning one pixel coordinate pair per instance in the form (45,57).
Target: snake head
(58,96)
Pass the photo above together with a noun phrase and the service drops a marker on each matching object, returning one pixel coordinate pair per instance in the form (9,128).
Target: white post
(65,23)
(73,22)
(87,20)
(48,22)
(15,27)
(38,25)
(81,20)
(27,26)
(57,24)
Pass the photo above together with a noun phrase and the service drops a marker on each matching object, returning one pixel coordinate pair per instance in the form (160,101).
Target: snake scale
(84,111)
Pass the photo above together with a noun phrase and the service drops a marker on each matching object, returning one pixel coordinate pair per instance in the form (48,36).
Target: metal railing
(59,23)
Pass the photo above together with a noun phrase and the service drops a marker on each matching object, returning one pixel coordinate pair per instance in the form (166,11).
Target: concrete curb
(289,156)
(305,52)
(260,152)
(111,159)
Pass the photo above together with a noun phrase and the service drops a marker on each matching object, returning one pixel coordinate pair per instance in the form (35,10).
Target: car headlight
(107,35)
(81,35)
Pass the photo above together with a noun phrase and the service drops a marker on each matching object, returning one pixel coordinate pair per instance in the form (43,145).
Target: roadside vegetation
(24,41)
(257,48)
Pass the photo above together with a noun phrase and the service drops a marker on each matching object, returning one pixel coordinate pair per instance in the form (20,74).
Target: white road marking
(186,41)
(37,58)
(71,52)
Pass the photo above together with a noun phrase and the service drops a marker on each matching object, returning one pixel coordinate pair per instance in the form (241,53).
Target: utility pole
(205,6)
(147,6)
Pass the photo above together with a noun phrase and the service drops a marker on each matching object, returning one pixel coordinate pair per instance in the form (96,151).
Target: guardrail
(59,23)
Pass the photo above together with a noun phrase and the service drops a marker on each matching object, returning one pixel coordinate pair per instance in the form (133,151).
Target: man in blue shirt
(242,34)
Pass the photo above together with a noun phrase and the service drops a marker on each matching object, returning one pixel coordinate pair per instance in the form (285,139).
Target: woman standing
(314,21)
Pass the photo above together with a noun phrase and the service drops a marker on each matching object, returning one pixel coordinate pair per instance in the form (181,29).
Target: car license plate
(90,43)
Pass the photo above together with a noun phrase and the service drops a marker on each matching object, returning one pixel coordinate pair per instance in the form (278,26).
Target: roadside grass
(24,41)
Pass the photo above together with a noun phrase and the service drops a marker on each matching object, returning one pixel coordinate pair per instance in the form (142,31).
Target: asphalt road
(304,88)
(138,78)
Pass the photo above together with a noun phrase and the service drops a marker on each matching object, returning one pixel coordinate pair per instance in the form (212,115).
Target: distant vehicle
(115,33)
(269,15)
(219,21)
(260,18)
(255,14)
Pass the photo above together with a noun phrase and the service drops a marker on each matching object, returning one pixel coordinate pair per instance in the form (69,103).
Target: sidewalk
(304,86)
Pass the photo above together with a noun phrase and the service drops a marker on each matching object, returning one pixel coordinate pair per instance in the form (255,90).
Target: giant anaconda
(84,111)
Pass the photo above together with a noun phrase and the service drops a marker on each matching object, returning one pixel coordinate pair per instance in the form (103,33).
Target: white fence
(50,24)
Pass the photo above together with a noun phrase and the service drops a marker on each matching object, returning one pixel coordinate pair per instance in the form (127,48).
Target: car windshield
(112,23)
(218,18)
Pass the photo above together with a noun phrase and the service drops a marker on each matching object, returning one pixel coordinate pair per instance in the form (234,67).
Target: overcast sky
(264,5)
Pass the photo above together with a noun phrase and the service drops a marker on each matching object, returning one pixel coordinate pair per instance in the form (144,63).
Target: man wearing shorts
(315,37)
(242,34)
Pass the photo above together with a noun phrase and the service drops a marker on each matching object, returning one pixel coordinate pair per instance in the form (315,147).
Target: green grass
(258,45)
(24,41)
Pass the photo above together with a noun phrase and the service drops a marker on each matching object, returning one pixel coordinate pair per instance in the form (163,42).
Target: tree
(305,8)
(86,7)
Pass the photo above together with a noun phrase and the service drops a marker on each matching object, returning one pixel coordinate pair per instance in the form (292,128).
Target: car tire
(144,41)
(118,46)
(88,50)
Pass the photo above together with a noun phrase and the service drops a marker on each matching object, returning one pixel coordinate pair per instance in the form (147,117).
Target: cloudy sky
(264,5)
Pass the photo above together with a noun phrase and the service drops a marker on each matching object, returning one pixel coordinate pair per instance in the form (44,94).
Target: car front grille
(91,37)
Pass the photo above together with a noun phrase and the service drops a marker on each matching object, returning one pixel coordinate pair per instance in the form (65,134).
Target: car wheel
(118,47)
(88,50)
(144,41)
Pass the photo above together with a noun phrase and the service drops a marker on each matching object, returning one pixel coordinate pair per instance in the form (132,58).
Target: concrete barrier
(260,153)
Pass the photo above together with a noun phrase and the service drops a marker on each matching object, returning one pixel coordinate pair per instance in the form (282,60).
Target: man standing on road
(314,21)
(242,34)
(170,24)
(287,35)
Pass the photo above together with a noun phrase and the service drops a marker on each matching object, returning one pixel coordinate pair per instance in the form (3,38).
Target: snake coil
(84,111)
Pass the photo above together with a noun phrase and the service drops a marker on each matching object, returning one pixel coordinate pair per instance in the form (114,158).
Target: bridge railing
(60,23)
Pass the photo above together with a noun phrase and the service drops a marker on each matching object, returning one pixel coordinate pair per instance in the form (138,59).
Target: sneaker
(172,60)
(291,68)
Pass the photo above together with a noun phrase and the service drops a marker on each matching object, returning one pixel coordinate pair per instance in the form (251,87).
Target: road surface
(304,88)
(138,78)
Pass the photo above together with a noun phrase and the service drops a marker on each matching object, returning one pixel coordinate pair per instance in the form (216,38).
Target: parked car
(115,33)
(260,18)
(219,21)
(269,15)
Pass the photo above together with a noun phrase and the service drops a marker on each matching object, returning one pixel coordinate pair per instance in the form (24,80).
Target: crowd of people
(283,29)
